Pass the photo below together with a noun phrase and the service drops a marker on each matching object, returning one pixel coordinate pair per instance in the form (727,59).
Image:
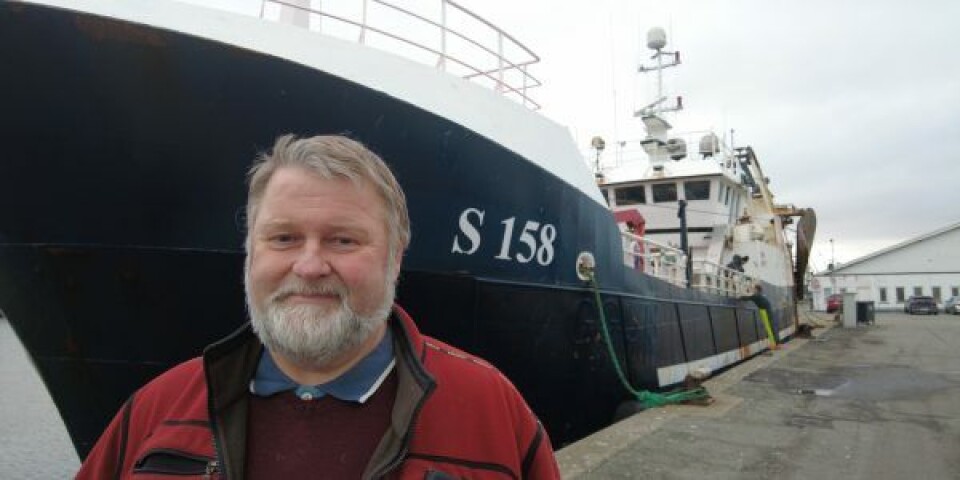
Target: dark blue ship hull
(121,198)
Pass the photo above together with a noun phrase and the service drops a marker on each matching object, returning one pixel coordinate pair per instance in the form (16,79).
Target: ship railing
(715,278)
(653,258)
(632,151)
(461,42)
(669,263)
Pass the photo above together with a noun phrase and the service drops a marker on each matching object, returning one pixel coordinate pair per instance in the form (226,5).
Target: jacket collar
(414,386)
(228,366)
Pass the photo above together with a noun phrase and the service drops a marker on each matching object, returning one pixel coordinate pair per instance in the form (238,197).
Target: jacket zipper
(397,460)
(212,467)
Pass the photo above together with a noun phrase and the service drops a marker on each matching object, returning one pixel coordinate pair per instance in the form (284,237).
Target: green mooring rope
(646,398)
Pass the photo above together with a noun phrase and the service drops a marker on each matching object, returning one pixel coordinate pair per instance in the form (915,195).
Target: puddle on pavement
(820,392)
(862,382)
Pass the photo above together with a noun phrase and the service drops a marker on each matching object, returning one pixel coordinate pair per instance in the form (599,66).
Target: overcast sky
(852,107)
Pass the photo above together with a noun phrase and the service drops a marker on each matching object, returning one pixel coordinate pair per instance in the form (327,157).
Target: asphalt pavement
(874,402)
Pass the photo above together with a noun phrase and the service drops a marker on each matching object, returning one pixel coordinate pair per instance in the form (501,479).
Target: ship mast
(656,40)
(656,144)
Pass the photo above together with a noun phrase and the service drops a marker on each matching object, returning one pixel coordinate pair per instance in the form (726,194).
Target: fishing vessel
(128,127)
(703,218)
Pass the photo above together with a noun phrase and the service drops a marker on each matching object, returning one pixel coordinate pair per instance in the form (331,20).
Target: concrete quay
(872,402)
(33,439)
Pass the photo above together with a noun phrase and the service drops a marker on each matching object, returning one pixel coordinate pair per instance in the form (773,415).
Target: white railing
(486,54)
(670,264)
(661,261)
(714,278)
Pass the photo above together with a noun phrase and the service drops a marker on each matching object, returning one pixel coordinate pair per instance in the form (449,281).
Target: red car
(834,303)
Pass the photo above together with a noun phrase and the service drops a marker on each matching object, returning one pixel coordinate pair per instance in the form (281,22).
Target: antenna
(657,40)
(598,145)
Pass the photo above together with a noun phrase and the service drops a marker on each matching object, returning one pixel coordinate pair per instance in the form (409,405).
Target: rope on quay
(645,398)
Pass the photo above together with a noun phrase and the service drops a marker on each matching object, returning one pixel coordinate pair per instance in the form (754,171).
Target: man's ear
(397,261)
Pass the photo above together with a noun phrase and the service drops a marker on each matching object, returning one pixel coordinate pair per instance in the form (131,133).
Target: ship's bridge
(711,182)
(713,200)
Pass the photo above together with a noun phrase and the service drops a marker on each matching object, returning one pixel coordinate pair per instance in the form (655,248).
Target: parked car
(952,305)
(921,304)
(834,303)
(906,305)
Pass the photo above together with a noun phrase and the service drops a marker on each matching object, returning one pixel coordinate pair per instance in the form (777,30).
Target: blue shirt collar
(355,385)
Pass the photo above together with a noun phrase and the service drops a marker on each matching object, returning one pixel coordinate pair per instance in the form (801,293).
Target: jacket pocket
(436,467)
(438,475)
(163,461)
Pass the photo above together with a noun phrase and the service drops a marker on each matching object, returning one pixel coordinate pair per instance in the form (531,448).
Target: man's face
(320,277)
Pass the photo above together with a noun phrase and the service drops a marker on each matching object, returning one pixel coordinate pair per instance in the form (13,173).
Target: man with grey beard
(330,379)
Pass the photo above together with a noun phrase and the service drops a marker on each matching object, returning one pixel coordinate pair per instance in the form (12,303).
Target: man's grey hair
(332,157)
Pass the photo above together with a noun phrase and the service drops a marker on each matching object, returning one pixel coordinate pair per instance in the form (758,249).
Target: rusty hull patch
(106,30)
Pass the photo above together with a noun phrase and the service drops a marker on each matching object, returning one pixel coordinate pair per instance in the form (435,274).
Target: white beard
(310,335)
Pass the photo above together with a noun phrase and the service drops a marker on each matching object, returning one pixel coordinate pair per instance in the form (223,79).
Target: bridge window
(665,192)
(630,195)
(697,190)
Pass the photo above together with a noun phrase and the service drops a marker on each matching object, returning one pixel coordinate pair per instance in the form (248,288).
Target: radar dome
(598,143)
(656,38)
(709,145)
(677,148)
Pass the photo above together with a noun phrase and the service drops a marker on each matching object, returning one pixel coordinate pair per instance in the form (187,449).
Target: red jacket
(454,414)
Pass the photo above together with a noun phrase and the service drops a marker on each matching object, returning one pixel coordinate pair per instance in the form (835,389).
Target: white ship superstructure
(732,222)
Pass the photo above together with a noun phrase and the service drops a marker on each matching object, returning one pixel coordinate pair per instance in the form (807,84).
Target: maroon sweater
(323,438)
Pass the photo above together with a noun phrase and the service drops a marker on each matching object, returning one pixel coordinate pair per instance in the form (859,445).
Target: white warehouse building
(925,265)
